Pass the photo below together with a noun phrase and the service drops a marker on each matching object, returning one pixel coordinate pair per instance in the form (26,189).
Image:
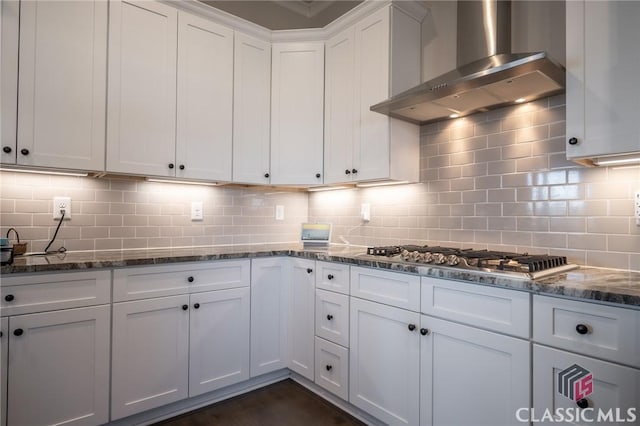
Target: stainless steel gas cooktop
(521,265)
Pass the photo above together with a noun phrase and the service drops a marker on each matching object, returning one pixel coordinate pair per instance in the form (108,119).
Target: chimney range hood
(497,79)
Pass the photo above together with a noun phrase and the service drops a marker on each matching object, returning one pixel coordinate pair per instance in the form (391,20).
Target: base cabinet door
(4,351)
(59,367)
(302,318)
(384,375)
(471,376)
(269,301)
(150,358)
(610,396)
(219,339)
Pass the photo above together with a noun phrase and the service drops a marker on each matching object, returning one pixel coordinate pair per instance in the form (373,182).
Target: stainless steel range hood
(499,78)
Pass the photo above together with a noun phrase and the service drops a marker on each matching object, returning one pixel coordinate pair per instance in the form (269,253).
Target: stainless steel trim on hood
(495,80)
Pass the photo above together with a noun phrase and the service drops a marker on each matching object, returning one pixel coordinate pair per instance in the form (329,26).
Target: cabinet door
(9,46)
(62,84)
(371,149)
(491,370)
(339,108)
(205,99)
(297,99)
(4,356)
(269,310)
(251,110)
(384,375)
(150,356)
(141,119)
(603,61)
(302,318)
(59,367)
(616,389)
(219,339)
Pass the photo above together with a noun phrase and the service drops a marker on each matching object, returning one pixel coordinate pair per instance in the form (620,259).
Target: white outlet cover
(279,212)
(62,203)
(636,204)
(365,212)
(197,212)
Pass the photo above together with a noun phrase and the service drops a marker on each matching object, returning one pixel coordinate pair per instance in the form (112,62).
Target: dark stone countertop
(589,284)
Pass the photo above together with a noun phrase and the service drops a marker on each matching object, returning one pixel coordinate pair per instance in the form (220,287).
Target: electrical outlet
(365,212)
(636,203)
(196,211)
(279,212)
(59,204)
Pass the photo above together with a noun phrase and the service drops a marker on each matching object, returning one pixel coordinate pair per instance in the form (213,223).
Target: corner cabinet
(62,85)
(376,58)
(603,62)
(251,110)
(297,98)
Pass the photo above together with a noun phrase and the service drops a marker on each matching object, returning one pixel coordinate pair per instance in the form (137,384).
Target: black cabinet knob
(171,166)
(424,331)
(573,141)
(24,151)
(7,149)
(582,403)
(185,307)
(318,175)
(196,305)
(354,170)
(266,175)
(329,277)
(181,167)
(412,327)
(190,279)
(329,317)
(9,297)
(1,334)
(309,270)
(18,332)
(582,329)
(329,367)
(347,172)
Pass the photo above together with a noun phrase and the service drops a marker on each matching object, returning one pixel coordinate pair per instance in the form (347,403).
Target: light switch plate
(196,210)
(365,212)
(279,212)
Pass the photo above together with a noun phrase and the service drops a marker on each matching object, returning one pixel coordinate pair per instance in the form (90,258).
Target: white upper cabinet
(142,88)
(297,98)
(603,61)
(9,36)
(377,58)
(251,110)
(205,99)
(62,85)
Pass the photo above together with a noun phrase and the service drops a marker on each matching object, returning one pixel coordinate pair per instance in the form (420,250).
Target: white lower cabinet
(269,312)
(384,364)
(615,396)
(4,351)
(301,323)
(490,369)
(332,367)
(59,367)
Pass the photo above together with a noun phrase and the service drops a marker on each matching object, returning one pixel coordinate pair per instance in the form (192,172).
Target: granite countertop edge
(600,285)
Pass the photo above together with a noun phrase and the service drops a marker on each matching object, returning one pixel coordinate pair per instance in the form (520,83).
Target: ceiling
(286,14)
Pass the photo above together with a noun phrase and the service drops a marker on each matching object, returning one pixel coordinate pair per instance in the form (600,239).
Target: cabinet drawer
(495,309)
(332,317)
(595,330)
(24,294)
(169,280)
(615,387)
(332,276)
(390,288)
(332,368)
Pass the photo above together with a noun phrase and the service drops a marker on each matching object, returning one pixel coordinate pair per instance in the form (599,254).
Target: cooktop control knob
(428,257)
(452,260)
(439,258)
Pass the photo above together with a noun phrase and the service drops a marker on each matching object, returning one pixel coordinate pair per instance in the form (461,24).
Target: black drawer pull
(424,331)
(185,307)
(309,270)
(18,332)
(582,329)
(329,367)
(582,403)
(190,279)
(329,277)
(196,305)
(9,297)
(412,327)
(329,317)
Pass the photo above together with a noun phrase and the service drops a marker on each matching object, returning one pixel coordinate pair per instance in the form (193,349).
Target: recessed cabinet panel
(141,127)
(205,99)
(332,317)
(301,320)
(9,40)
(251,110)
(62,84)
(4,360)
(332,276)
(391,288)
(332,367)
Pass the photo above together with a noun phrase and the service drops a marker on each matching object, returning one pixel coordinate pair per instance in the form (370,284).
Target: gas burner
(523,265)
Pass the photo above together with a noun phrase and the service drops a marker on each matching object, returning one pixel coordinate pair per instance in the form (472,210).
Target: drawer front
(495,309)
(332,368)
(333,277)
(615,388)
(25,294)
(332,317)
(390,288)
(174,279)
(590,329)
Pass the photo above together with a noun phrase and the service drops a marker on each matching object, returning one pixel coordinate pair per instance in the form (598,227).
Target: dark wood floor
(281,404)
